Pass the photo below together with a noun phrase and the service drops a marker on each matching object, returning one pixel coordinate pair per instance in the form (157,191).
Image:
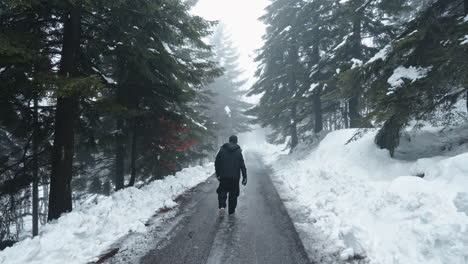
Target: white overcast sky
(241,20)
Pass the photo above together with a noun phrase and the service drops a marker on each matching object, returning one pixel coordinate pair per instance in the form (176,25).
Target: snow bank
(80,236)
(354,201)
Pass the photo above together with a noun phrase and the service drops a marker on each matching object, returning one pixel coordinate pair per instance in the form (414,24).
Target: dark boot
(232,202)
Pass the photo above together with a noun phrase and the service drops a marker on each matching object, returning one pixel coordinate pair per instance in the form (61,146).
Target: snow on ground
(354,201)
(82,235)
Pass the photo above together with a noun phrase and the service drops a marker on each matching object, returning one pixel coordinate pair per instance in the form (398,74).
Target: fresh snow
(343,42)
(198,124)
(464,40)
(353,200)
(411,73)
(382,54)
(313,86)
(413,32)
(167,48)
(109,80)
(356,63)
(90,229)
(227,110)
(286,29)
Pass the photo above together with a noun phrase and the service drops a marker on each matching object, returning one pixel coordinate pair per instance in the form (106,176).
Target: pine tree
(361,28)
(281,74)
(24,77)
(60,197)
(316,37)
(157,72)
(227,108)
(57,65)
(430,47)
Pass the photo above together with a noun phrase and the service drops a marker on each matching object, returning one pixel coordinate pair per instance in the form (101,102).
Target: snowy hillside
(82,235)
(355,202)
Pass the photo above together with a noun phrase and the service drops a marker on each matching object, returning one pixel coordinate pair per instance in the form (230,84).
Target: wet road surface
(259,232)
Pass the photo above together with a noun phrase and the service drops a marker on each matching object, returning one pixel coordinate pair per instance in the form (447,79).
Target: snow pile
(412,73)
(80,236)
(354,201)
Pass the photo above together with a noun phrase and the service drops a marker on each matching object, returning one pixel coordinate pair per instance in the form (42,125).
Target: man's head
(233,139)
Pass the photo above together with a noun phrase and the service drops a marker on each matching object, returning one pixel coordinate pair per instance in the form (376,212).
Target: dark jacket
(229,162)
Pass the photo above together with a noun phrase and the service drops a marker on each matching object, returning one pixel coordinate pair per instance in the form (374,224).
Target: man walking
(228,165)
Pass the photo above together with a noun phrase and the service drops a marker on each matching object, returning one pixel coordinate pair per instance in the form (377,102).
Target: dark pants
(228,187)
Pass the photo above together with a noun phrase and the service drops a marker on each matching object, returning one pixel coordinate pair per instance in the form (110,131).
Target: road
(259,232)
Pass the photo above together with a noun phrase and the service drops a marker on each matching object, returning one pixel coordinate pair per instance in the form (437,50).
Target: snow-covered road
(260,232)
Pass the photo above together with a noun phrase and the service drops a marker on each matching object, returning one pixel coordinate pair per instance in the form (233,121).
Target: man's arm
(243,169)
(217,164)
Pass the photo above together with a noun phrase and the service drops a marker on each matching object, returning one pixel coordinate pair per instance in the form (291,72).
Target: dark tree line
(95,96)
(331,64)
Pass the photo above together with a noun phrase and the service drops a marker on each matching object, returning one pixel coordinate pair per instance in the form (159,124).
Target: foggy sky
(241,20)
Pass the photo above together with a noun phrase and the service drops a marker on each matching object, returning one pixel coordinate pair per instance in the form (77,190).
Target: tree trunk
(294,137)
(318,118)
(35,184)
(293,60)
(122,95)
(353,110)
(317,101)
(133,155)
(120,155)
(45,202)
(346,115)
(60,197)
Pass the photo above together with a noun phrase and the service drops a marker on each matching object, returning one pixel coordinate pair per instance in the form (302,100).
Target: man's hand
(244,181)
